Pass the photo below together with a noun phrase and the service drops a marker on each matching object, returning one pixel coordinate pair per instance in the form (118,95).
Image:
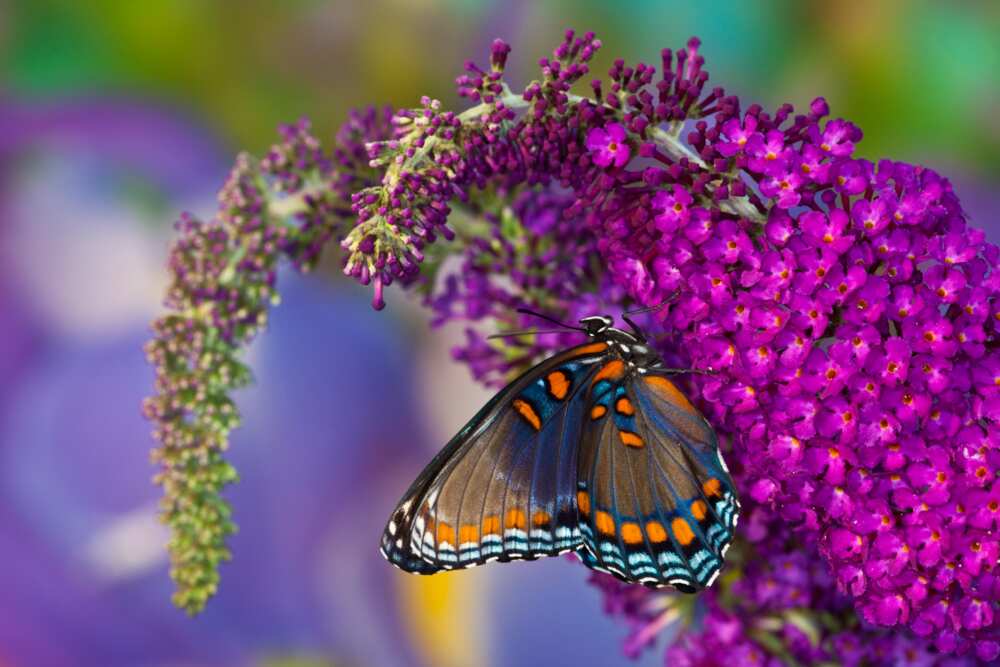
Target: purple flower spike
(846,309)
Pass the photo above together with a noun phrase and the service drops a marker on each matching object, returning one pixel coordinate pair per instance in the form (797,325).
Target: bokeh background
(115,116)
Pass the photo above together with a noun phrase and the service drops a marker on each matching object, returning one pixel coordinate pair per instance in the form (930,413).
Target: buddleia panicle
(848,310)
(223,275)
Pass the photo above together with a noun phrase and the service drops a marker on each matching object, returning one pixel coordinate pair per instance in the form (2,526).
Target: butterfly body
(593,450)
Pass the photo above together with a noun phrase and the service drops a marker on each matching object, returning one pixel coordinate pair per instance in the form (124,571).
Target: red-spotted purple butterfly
(594,450)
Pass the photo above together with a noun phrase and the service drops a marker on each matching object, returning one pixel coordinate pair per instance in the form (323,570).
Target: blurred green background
(921,78)
(114,116)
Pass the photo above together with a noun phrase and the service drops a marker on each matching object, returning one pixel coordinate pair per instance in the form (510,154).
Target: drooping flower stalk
(223,281)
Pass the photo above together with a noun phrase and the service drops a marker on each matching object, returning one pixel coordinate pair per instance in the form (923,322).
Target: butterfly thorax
(628,346)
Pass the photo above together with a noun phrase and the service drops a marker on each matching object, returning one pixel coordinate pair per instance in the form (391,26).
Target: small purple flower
(782,184)
(700,226)
(787,449)
(673,207)
(779,227)
(827,230)
(887,610)
(871,217)
(765,151)
(932,334)
(845,545)
(837,138)
(824,374)
(727,244)
(608,146)
(891,365)
(906,302)
(975,614)
(945,281)
(866,305)
(852,177)
(843,283)
(957,248)
(737,134)
(985,506)
(812,165)
(987,650)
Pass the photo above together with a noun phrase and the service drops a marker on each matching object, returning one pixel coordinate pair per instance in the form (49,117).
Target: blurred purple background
(116,116)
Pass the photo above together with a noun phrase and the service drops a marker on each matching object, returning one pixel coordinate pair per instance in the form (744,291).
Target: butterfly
(594,450)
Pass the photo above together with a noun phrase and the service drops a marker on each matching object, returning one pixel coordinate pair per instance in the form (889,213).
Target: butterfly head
(631,347)
(596,324)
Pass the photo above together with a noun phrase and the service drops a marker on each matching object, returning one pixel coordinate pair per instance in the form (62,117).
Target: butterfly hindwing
(656,503)
(670,415)
(503,488)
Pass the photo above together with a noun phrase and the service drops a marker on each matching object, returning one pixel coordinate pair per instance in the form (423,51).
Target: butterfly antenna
(509,334)
(549,319)
(635,327)
(690,371)
(651,309)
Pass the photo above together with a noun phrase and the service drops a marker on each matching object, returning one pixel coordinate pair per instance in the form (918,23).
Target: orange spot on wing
(540,519)
(712,488)
(598,411)
(515,519)
(445,533)
(631,533)
(698,509)
(682,531)
(614,370)
(525,410)
(468,533)
(669,392)
(491,525)
(624,406)
(583,502)
(631,439)
(657,533)
(558,384)
(604,523)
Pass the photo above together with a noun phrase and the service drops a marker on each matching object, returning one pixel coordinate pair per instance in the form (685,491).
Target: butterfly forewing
(503,488)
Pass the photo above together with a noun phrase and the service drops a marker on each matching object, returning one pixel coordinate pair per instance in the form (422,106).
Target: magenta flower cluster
(783,608)
(850,330)
(846,309)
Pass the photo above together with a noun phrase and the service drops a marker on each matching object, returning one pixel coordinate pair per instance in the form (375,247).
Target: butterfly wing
(656,502)
(503,487)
